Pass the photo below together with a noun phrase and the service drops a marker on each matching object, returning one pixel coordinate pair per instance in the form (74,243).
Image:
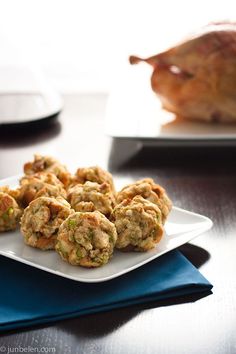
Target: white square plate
(135,112)
(181,227)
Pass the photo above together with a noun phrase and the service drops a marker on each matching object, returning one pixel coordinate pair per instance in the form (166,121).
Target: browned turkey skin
(197,79)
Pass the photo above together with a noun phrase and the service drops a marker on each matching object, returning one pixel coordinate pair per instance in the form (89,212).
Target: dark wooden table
(198,179)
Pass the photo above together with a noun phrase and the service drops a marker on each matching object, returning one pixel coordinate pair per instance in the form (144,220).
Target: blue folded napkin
(30,296)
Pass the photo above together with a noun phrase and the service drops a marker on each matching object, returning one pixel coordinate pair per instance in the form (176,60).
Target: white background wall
(83,45)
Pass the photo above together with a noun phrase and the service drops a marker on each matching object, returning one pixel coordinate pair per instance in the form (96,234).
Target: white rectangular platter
(135,112)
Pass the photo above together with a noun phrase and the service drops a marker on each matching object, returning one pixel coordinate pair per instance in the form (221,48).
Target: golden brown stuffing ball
(138,223)
(92,196)
(41,220)
(40,184)
(150,191)
(86,239)
(48,164)
(10,212)
(14,193)
(94,174)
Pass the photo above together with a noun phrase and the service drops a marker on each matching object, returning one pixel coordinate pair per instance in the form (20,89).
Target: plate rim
(207,225)
(217,137)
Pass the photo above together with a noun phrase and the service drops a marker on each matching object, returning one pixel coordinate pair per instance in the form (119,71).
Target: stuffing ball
(86,239)
(41,184)
(138,223)
(92,196)
(150,191)
(41,220)
(14,193)
(10,212)
(48,164)
(94,174)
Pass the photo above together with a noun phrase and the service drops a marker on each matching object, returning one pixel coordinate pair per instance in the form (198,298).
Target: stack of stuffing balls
(82,216)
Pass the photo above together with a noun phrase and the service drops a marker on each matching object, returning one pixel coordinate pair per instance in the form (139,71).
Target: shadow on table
(29,133)
(195,254)
(86,326)
(130,154)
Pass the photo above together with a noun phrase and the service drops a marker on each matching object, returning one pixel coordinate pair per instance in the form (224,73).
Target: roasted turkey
(197,78)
